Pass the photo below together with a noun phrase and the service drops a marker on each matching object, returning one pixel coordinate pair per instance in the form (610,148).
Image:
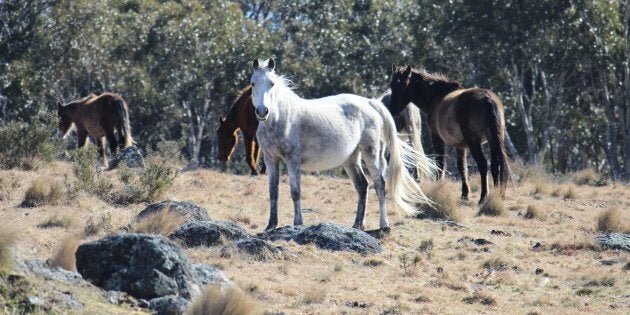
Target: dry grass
(64,255)
(451,267)
(162,223)
(8,237)
(444,201)
(59,220)
(42,191)
(586,176)
(534,212)
(223,301)
(611,220)
(492,206)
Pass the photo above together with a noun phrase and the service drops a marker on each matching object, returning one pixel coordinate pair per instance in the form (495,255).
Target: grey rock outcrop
(188,210)
(209,233)
(131,156)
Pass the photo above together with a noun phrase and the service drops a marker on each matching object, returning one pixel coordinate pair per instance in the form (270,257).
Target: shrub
(150,184)
(7,188)
(227,301)
(104,223)
(611,221)
(23,143)
(89,178)
(41,192)
(492,206)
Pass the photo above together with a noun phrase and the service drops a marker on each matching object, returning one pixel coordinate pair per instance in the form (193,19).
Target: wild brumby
(319,134)
(461,117)
(104,118)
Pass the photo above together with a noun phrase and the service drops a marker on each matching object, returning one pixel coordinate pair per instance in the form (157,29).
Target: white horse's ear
(271,64)
(255,64)
(407,71)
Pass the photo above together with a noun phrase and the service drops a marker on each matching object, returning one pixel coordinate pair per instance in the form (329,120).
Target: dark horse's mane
(240,97)
(438,78)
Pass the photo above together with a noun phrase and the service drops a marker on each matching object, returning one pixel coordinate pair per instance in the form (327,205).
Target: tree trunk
(626,79)
(613,145)
(519,95)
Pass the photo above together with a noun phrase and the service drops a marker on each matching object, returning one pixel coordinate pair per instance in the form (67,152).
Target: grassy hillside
(426,266)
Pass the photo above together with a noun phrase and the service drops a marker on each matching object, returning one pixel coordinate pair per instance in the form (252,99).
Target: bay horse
(101,117)
(241,117)
(320,134)
(461,117)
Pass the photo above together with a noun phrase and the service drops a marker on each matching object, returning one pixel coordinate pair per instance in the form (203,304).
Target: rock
(285,233)
(168,305)
(328,236)
(130,156)
(476,241)
(610,262)
(538,271)
(44,269)
(538,246)
(499,232)
(145,266)
(620,241)
(188,210)
(260,249)
(209,233)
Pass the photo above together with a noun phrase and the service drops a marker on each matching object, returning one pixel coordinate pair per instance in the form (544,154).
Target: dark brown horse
(241,117)
(460,117)
(104,116)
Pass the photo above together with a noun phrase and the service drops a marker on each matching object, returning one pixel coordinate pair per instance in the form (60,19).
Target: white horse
(320,134)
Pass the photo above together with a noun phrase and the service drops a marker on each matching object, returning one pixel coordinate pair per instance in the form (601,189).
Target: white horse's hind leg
(356,174)
(375,164)
(294,170)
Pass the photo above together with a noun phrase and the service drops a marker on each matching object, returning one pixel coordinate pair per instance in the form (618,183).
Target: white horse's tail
(401,186)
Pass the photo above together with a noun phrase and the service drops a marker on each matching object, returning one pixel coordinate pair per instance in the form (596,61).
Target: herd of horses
(343,130)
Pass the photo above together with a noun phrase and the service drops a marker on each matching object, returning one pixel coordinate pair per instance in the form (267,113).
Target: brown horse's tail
(124,127)
(498,153)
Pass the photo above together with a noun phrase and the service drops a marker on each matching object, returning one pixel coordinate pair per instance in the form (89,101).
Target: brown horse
(241,117)
(100,117)
(461,117)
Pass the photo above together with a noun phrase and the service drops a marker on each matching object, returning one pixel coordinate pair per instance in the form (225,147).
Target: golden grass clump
(586,176)
(570,193)
(8,237)
(163,223)
(611,220)
(41,192)
(58,220)
(64,255)
(445,203)
(227,301)
(533,212)
(492,206)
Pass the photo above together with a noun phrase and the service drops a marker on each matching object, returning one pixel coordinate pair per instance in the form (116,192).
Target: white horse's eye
(252,84)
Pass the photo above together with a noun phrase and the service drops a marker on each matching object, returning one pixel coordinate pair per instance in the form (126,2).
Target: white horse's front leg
(294,170)
(274,180)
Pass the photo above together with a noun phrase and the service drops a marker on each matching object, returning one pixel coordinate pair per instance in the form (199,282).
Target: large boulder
(131,156)
(188,210)
(259,249)
(209,233)
(145,266)
(328,236)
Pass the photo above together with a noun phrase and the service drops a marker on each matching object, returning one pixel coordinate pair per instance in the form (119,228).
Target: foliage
(560,67)
(42,191)
(86,169)
(23,143)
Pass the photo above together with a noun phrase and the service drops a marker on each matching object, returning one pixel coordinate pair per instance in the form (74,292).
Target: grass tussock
(226,301)
(58,220)
(570,192)
(316,295)
(611,220)
(42,192)
(7,187)
(481,297)
(444,202)
(64,255)
(96,226)
(533,212)
(8,237)
(492,206)
(587,176)
(163,223)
